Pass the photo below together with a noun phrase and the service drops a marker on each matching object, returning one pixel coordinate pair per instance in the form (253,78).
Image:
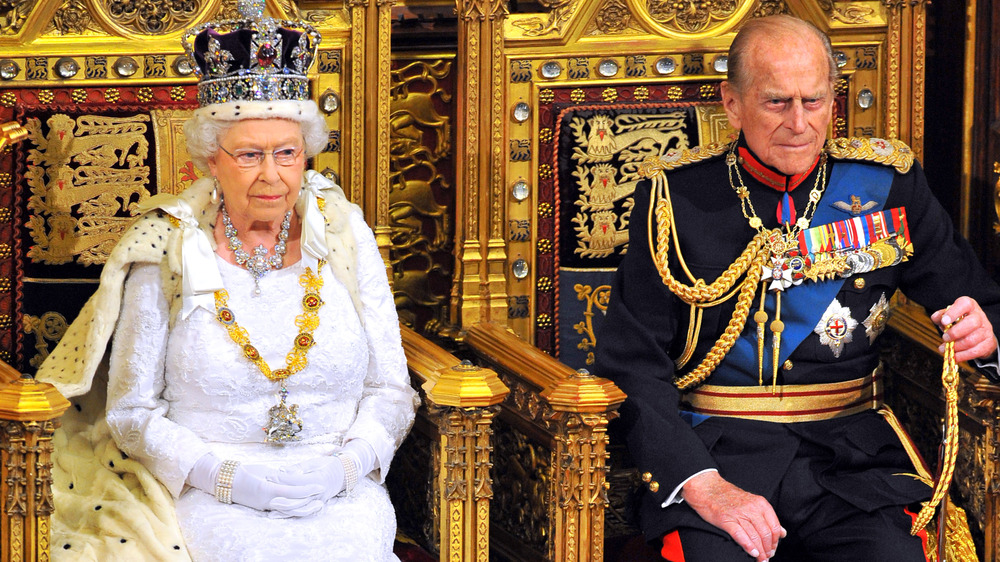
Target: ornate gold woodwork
(47,328)
(421,189)
(560,414)
(461,400)
(28,418)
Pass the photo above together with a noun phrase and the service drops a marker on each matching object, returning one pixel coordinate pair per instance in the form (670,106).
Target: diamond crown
(252,58)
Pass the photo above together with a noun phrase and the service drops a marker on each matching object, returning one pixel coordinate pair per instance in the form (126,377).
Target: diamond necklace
(258,264)
(785,265)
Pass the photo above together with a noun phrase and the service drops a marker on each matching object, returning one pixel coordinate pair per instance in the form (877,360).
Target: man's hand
(749,519)
(971,331)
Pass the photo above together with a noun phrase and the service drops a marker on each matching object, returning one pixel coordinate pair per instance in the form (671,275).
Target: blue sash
(803,305)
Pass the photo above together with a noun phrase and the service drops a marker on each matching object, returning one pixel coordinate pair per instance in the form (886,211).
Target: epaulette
(890,152)
(674,158)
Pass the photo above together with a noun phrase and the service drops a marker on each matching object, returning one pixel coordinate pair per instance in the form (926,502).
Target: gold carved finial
(28,412)
(466,386)
(583,392)
(24,399)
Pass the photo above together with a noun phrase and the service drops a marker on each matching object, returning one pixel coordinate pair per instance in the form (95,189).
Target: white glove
(329,471)
(256,486)
(326,473)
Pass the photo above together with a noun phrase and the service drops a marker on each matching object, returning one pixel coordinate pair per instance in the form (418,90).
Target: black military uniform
(843,472)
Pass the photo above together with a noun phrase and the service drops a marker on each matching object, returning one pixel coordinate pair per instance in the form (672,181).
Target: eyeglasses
(247,159)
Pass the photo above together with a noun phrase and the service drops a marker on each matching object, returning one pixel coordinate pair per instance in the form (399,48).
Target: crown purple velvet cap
(252,58)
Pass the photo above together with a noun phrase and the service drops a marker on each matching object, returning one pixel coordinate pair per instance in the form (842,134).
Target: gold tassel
(776,328)
(760,317)
(949,379)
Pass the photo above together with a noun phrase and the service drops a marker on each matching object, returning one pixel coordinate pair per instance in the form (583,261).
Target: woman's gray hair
(210,123)
(773,27)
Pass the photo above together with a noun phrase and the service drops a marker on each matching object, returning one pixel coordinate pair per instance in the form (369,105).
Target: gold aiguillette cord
(760,317)
(777,326)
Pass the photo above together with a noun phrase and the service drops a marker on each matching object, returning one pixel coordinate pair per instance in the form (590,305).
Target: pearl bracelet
(350,473)
(224,481)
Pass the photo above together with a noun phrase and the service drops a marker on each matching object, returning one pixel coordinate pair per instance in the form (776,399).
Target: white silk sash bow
(313,241)
(200,275)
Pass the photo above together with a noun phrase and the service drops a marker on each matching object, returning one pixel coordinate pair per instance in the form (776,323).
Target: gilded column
(28,418)
(357,138)
(379,44)
(470,293)
(480,293)
(496,255)
(465,398)
(584,405)
(892,75)
(919,54)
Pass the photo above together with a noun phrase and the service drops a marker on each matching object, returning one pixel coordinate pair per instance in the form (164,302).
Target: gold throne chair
(563,101)
(96,93)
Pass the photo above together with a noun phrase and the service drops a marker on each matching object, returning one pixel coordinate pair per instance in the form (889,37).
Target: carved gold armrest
(567,411)
(29,413)
(461,401)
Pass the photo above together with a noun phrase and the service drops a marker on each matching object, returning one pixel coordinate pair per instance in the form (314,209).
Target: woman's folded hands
(293,490)
(259,487)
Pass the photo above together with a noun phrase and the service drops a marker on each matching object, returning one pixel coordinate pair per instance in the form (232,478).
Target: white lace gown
(177,393)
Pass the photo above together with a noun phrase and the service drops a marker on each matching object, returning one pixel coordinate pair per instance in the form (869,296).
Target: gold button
(646,477)
(787,366)
(654,487)
(859,283)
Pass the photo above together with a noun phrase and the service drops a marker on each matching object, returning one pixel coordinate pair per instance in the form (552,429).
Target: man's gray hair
(203,131)
(769,27)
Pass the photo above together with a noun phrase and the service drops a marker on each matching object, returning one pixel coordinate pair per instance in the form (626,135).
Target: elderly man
(743,322)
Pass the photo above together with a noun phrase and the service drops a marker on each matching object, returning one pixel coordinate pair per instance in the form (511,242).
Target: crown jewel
(253,58)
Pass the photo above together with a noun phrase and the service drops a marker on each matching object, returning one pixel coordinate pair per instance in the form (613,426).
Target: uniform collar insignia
(855,207)
(836,327)
(769,176)
(877,319)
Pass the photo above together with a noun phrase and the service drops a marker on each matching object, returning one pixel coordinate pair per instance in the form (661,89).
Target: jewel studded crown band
(253,58)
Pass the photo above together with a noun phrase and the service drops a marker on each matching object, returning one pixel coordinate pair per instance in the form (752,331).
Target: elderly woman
(256,368)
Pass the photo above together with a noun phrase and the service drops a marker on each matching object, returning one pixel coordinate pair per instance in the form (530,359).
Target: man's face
(786,105)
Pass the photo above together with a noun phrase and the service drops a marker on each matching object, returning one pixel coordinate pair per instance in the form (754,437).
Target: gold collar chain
(779,244)
(283,421)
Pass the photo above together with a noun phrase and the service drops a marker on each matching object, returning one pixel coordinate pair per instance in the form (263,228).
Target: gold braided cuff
(350,473)
(224,481)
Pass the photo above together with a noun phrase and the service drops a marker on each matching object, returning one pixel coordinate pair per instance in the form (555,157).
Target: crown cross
(268,49)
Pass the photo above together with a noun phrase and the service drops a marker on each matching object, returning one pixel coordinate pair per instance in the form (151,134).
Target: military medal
(877,319)
(836,327)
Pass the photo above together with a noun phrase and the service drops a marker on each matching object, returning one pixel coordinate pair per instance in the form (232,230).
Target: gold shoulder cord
(700,295)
